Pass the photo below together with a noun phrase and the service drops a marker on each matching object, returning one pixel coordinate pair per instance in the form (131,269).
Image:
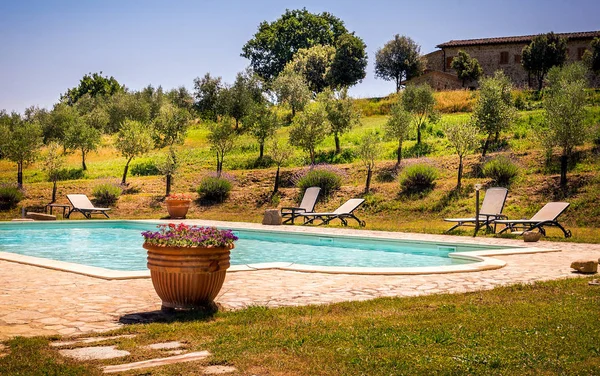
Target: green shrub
(328,178)
(418,178)
(145,168)
(215,189)
(106,193)
(9,197)
(501,170)
(70,174)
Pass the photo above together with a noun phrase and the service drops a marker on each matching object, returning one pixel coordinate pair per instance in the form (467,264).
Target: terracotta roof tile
(516,39)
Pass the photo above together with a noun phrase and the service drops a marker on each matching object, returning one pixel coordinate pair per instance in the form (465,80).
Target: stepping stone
(89,340)
(165,345)
(218,370)
(585,266)
(94,353)
(190,357)
(21,220)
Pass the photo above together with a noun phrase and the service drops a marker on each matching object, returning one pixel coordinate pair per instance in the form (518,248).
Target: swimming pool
(117,245)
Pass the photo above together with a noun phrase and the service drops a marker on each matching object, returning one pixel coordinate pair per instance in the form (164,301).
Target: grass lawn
(548,328)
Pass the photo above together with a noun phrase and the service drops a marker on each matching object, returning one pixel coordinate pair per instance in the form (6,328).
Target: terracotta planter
(178,208)
(187,278)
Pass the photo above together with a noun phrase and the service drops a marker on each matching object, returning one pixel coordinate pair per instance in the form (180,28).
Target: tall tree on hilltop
(275,43)
(349,65)
(93,84)
(399,59)
(544,52)
(467,68)
(314,65)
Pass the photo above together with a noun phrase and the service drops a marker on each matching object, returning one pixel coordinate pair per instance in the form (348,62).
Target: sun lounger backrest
(349,206)
(80,201)
(550,211)
(310,199)
(493,202)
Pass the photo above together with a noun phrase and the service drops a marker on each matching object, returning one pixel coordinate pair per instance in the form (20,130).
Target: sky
(47,46)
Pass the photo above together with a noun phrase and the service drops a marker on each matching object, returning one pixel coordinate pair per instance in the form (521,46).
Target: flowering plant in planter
(182,235)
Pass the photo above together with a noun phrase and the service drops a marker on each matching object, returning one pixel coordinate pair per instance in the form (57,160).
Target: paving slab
(88,340)
(94,353)
(189,357)
(165,345)
(218,370)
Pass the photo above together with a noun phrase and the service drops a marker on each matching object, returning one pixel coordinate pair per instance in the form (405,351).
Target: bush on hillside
(214,189)
(326,177)
(501,170)
(10,196)
(106,193)
(70,174)
(145,168)
(418,178)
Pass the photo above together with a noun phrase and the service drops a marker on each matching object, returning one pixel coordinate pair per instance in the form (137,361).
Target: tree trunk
(124,180)
(293,111)
(83,166)
(236,124)
(312,156)
(276,187)
(497,138)
(460,171)
(563,170)
(368,184)
(486,145)
(53,192)
(540,82)
(337,143)
(399,152)
(261,150)
(218,171)
(168,191)
(419,133)
(20,175)
(398,80)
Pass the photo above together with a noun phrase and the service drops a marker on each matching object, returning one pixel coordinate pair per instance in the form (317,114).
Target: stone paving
(39,301)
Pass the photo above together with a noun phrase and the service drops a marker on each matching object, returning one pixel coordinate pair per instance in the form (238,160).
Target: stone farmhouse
(494,54)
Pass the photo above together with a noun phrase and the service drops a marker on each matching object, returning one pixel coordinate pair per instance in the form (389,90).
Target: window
(504,57)
(517,59)
(449,62)
(580,52)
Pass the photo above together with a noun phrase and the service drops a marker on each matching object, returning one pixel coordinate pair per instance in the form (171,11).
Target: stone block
(585,266)
(41,216)
(531,236)
(272,217)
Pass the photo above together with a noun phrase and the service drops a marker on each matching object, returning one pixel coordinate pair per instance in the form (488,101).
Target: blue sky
(47,46)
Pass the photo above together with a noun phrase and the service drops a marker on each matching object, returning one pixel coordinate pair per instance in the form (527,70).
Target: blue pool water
(117,245)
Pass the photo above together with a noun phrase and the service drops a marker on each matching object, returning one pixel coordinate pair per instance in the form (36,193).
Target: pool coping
(483,259)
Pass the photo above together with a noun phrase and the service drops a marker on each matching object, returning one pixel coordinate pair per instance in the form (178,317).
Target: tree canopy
(544,52)
(399,59)
(592,56)
(313,64)
(349,65)
(275,43)
(419,101)
(467,68)
(93,84)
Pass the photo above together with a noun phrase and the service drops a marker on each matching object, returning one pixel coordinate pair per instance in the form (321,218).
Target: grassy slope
(542,329)
(385,208)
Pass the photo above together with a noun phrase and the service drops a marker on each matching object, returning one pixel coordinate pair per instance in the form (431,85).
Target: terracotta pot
(178,208)
(187,278)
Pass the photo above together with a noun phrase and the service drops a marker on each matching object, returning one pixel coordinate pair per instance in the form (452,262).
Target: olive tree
(419,101)
(53,163)
(463,138)
(368,150)
(341,113)
(564,105)
(20,141)
(280,152)
(83,137)
(398,126)
(291,88)
(494,111)
(169,164)
(309,128)
(592,56)
(314,65)
(222,140)
(170,126)
(262,123)
(134,139)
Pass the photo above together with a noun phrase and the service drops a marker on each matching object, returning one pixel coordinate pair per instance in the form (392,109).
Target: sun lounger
(342,213)
(546,217)
(83,205)
(491,210)
(309,200)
